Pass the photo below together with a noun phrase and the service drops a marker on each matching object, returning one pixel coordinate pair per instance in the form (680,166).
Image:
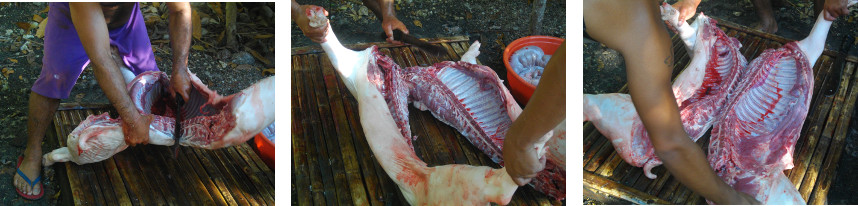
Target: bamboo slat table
(149,175)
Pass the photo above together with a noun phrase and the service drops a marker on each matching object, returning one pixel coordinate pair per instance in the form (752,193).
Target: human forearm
(688,164)
(387,8)
(547,105)
(180,34)
(92,30)
(296,9)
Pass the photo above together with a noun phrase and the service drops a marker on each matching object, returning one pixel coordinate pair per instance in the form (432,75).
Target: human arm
(299,15)
(546,108)
(180,42)
(635,29)
(385,10)
(834,9)
(686,8)
(91,27)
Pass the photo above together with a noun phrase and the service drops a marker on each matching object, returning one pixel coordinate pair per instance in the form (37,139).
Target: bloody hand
(522,161)
(317,34)
(136,130)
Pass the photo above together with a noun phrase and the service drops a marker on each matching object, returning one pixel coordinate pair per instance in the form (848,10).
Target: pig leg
(58,155)
(471,55)
(814,44)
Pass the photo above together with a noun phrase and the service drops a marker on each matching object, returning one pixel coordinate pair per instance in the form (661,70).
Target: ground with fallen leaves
(224,69)
(604,69)
(494,23)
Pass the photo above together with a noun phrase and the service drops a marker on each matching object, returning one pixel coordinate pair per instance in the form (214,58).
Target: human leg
(767,22)
(41,110)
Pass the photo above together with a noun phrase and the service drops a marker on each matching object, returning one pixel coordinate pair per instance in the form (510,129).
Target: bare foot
(30,166)
(771,27)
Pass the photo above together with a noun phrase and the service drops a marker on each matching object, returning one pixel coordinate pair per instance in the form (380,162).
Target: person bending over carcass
(389,22)
(113,37)
(635,29)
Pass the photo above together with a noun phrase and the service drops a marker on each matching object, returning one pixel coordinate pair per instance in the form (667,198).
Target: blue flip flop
(31,182)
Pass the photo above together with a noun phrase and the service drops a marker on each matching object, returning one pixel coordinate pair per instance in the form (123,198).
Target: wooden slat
(260,189)
(216,190)
(79,195)
(320,197)
(619,190)
(825,139)
(827,174)
(352,170)
(300,166)
(327,129)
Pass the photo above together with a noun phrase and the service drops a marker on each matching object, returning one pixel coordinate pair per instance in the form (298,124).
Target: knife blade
(177,131)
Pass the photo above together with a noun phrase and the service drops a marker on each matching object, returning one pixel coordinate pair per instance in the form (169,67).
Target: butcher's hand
(521,161)
(388,24)
(299,15)
(686,8)
(834,9)
(181,82)
(136,130)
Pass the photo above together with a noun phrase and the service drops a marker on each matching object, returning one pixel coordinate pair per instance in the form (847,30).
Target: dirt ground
(494,23)
(226,70)
(604,69)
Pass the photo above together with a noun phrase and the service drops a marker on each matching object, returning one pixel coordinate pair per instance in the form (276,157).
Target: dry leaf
(41,31)
(499,41)
(6,72)
(268,71)
(468,15)
(418,24)
(244,67)
(152,19)
(13,60)
(220,37)
(260,57)
(156,4)
(47,8)
(197,28)
(263,36)
(20,77)
(216,9)
(37,18)
(198,48)
(24,25)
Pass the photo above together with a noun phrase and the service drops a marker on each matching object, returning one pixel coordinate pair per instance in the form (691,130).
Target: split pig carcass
(754,135)
(211,121)
(467,96)
(754,142)
(701,90)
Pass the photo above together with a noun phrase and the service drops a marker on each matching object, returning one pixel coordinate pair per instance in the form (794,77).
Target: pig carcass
(211,121)
(477,105)
(754,142)
(701,90)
